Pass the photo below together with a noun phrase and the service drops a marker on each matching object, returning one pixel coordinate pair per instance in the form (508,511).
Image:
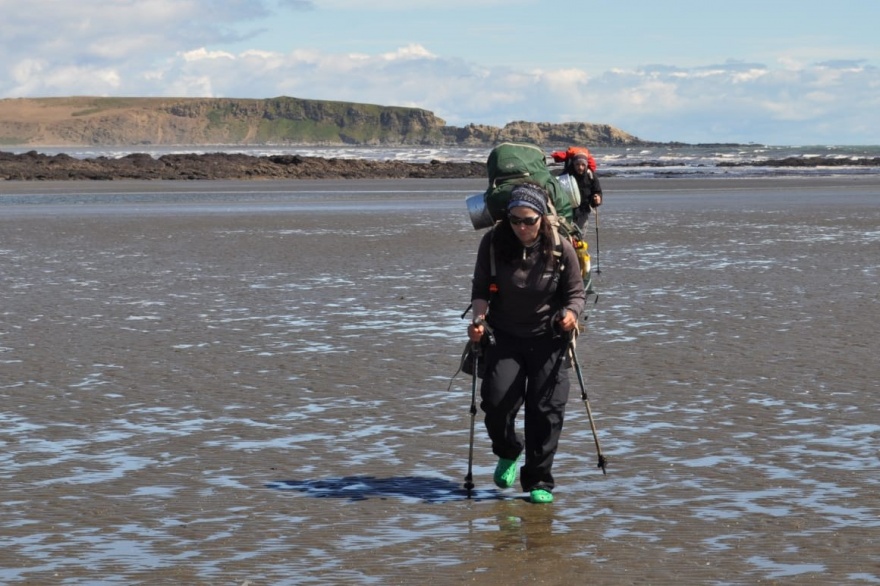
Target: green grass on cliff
(298,130)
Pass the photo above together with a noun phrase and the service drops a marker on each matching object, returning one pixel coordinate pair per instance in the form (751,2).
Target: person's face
(520,219)
(580,166)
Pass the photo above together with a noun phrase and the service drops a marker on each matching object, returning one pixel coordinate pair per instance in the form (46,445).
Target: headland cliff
(94,121)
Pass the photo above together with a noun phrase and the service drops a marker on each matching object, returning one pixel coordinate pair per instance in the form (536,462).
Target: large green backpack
(511,163)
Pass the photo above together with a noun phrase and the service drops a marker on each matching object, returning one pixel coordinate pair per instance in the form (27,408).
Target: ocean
(654,161)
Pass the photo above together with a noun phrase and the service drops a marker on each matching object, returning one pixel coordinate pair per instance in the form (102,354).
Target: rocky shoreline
(34,166)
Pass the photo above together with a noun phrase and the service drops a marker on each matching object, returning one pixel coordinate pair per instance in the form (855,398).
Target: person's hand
(476,329)
(568,321)
(597,200)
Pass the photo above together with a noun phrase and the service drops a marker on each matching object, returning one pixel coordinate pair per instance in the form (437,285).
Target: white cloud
(411,51)
(186,86)
(27,69)
(420,5)
(749,76)
(202,54)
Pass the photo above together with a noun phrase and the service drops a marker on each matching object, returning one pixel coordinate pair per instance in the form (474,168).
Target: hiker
(530,302)
(578,166)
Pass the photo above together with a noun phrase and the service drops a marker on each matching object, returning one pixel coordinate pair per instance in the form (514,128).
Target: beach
(233,382)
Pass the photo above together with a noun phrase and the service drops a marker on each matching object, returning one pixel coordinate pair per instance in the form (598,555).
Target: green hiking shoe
(505,473)
(541,496)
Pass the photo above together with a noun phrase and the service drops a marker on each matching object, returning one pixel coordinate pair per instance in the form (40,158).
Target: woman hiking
(530,299)
(582,167)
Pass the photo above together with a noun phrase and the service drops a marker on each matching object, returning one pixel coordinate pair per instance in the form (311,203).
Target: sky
(778,72)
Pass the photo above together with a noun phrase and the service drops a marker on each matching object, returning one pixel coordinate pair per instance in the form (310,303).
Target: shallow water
(229,388)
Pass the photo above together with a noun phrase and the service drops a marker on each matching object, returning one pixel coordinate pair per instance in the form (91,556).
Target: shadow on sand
(358,488)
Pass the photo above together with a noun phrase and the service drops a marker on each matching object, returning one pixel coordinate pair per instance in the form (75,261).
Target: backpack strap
(555,222)
(493,270)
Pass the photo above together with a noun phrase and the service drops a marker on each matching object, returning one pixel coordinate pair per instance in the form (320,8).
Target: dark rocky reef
(807,162)
(36,166)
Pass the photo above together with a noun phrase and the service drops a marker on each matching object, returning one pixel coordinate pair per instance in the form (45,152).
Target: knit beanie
(529,196)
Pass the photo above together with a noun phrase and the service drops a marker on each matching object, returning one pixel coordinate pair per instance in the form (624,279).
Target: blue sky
(781,72)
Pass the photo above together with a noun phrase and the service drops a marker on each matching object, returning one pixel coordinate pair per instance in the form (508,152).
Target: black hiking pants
(531,372)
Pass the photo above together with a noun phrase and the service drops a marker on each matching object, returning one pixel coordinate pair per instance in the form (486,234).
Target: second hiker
(581,166)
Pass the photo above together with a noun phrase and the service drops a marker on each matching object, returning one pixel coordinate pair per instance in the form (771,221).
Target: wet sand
(233,382)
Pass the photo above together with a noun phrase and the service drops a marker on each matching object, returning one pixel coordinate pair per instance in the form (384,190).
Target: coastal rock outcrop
(90,121)
(37,166)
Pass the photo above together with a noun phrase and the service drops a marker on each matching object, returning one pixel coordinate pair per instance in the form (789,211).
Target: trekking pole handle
(480,322)
(477,322)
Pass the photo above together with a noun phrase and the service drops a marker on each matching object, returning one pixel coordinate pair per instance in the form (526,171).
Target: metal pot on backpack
(571,189)
(478,211)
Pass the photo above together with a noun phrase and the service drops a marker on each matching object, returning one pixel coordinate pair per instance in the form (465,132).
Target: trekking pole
(469,478)
(598,269)
(475,350)
(586,400)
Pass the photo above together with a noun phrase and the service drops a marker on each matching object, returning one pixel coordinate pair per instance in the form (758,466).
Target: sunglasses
(530,221)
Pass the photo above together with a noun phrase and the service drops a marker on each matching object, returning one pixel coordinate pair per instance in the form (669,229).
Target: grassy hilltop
(95,121)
